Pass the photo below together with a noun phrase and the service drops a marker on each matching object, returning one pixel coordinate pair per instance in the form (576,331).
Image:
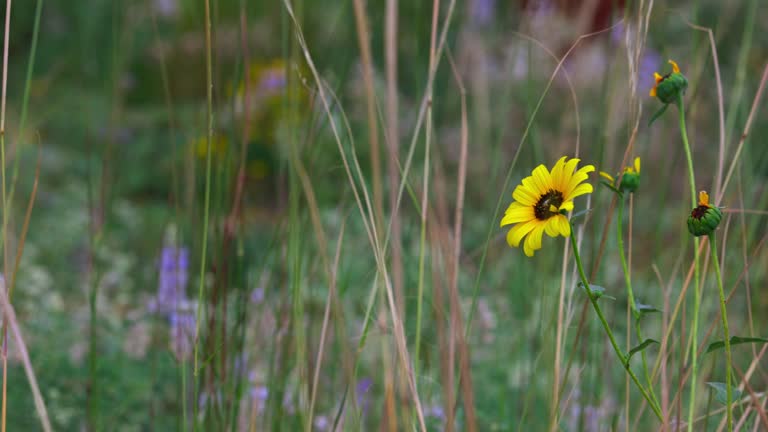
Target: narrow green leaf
(611,187)
(643,345)
(658,114)
(580,213)
(597,291)
(645,309)
(735,340)
(721,394)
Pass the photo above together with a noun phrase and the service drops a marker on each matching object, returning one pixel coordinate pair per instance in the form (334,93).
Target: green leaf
(721,394)
(643,345)
(580,213)
(735,340)
(597,291)
(645,309)
(611,187)
(658,114)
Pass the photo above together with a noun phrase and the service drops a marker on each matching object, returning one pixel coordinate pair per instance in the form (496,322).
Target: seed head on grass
(541,202)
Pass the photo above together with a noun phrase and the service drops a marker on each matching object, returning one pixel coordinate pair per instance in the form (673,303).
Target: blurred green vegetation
(117,106)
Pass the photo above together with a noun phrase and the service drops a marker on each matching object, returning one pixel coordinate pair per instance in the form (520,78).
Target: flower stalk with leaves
(542,202)
(669,89)
(627,183)
(703,221)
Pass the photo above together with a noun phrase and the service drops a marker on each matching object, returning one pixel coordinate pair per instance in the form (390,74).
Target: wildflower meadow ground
(446,215)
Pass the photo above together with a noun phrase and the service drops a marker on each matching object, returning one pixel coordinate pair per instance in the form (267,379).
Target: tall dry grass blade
(715,320)
(27,217)
(10,316)
(399,331)
(6,204)
(393,147)
(745,134)
(363,37)
(330,273)
(464,366)
(720,109)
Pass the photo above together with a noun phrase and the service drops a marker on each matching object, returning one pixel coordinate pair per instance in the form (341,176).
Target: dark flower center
(699,212)
(542,209)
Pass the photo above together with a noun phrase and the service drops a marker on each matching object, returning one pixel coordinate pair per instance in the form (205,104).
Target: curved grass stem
(696,269)
(726,335)
(622,357)
(631,294)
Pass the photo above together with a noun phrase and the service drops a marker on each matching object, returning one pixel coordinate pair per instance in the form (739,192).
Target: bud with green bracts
(671,87)
(704,218)
(630,180)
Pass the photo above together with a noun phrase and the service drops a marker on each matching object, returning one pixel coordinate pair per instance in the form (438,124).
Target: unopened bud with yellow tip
(627,181)
(704,218)
(670,86)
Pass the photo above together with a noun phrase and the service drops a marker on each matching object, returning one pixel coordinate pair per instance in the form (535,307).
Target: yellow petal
(552,227)
(567,175)
(532,186)
(567,206)
(607,176)
(675,67)
(637,164)
(581,189)
(517,232)
(533,241)
(578,177)
(543,179)
(557,173)
(653,92)
(524,195)
(517,213)
(704,198)
(565,225)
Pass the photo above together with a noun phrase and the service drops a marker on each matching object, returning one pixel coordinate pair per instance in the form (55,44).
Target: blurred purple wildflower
(363,398)
(171,290)
(649,62)
(166,8)
(273,79)
(482,11)
(321,423)
(182,333)
(172,302)
(617,32)
(257,295)
(436,411)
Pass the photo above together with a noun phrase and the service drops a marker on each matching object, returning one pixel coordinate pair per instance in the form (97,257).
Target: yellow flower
(630,177)
(541,201)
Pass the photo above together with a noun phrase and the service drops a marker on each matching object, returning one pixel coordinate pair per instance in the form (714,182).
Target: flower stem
(726,335)
(631,295)
(696,292)
(599,311)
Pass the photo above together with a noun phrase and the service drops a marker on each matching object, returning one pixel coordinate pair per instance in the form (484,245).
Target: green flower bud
(670,86)
(704,218)
(630,180)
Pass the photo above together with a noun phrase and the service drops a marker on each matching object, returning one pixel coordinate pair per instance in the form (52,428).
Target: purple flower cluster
(172,301)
